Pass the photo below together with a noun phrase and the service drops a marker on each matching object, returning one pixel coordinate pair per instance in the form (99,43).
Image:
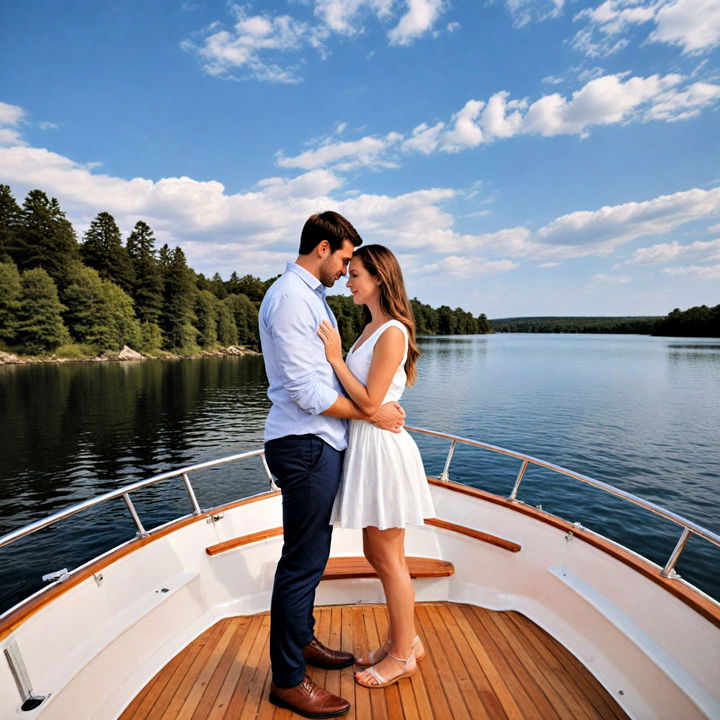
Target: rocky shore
(127,354)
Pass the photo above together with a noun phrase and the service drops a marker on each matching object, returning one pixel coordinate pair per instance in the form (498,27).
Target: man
(305,436)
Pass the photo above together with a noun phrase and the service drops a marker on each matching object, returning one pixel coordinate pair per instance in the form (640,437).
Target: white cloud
(458,266)
(11,116)
(606,100)
(663,253)
(245,46)
(611,279)
(549,264)
(364,152)
(465,131)
(695,272)
(344,16)
(603,229)
(419,18)
(524,11)
(694,25)
(261,46)
(425,138)
(47,126)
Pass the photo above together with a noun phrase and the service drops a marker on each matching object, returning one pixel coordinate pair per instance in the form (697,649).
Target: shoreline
(127,354)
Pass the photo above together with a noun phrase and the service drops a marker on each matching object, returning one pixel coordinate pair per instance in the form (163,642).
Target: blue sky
(521,157)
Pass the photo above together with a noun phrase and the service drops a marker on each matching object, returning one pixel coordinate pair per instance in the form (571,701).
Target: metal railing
(688,527)
(124,493)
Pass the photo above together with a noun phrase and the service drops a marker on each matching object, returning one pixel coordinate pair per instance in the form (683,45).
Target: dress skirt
(383,482)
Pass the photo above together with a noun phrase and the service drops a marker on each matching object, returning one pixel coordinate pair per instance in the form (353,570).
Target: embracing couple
(363,474)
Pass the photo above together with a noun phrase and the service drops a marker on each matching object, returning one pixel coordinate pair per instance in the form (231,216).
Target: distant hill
(639,325)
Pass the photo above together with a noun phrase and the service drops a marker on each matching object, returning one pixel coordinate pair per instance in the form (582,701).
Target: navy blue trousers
(308,471)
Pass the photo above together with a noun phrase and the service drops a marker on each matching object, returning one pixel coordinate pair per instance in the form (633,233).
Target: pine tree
(246,319)
(40,326)
(88,314)
(218,287)
(10,214)
(103,250)
(46,239)
(147,291)
(10,289)
(178,316)
(124,326)
(206,314)
(226,329)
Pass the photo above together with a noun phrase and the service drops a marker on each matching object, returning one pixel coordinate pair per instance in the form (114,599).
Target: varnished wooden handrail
(243,540)
(476,534)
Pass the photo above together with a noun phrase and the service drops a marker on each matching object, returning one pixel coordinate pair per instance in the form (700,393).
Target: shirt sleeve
(293,327)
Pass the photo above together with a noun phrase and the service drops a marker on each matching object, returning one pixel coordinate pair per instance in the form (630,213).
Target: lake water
(637,412)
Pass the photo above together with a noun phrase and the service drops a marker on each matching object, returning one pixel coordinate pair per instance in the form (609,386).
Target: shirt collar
(310,280)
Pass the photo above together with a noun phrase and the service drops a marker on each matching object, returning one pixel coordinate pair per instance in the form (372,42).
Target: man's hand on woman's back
(390,417)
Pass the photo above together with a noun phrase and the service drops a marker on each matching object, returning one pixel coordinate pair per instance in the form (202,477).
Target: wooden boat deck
(479,664)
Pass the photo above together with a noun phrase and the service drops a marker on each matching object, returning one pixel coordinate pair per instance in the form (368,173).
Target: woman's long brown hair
(382,264)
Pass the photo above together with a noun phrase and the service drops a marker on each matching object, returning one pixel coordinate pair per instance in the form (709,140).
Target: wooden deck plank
(229,683)
(478,664)
(549,666)
(442,671)
(246,697)
(468,687)
(347,684)
(531,700)
(492,691)
(557,698)
(588,687)
(494,665)
(195,673)
(362,643)
(205,674)
(209,697)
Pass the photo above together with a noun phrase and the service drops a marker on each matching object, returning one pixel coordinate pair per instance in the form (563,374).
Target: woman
(384,486)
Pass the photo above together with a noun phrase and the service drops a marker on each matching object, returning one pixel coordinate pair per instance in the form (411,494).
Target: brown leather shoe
(309,700)
(315,653)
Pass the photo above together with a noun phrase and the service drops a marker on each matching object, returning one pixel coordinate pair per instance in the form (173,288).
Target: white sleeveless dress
(383,482)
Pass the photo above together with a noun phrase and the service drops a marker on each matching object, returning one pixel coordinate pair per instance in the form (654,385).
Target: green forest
(75,299)
(701,321)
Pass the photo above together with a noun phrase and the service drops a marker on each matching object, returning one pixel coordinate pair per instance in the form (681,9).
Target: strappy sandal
(409,668)
(377,655)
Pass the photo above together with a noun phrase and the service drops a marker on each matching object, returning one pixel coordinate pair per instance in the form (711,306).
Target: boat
(523,615)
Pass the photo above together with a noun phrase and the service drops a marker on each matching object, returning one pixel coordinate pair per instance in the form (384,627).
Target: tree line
(77,298)
(641,325)
(701,321)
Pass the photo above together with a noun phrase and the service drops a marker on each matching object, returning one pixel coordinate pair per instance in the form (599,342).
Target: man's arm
(389,416)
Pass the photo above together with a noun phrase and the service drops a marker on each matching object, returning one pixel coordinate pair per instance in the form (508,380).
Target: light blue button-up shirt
(302,382)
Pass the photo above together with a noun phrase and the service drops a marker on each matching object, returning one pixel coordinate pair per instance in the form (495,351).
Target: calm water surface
(637,412)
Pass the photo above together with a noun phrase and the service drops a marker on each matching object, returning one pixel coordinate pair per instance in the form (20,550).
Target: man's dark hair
(330,226)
